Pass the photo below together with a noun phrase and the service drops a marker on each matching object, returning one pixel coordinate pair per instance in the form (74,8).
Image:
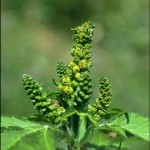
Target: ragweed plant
(68,112)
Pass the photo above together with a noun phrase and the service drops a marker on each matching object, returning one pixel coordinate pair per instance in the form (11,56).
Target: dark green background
(36,34)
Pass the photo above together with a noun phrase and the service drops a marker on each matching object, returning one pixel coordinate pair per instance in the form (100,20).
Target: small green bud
(61,69)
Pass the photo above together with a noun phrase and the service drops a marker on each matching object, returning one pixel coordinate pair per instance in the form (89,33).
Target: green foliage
(137,125)
(18,133)
(69,116)
(101,139)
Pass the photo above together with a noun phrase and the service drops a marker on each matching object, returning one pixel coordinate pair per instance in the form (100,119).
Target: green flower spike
(46,106)
(75,78)
(102,105)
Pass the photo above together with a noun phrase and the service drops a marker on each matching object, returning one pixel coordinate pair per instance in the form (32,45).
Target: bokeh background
(36,35)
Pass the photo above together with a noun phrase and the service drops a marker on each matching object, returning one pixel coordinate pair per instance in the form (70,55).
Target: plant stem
(78,146)
(119,148)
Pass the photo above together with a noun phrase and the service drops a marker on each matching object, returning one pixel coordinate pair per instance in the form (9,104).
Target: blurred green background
(36,35)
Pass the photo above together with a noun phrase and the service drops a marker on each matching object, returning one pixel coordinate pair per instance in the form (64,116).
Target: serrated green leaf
(138,125)
(22,134)
(39,140)
(118,130)
(61,145)
(7,122)
(37,118)
(115,113)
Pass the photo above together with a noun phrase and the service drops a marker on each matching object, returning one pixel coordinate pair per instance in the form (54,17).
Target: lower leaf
(137,125)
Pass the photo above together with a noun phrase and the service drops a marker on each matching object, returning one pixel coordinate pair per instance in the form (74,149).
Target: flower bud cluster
(81,55)
(102,104)
(83,90)
(84,33)
(74,85)
(46,106)
(61,69)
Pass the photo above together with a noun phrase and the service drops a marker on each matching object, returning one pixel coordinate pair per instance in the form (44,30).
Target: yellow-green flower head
(83,64)
(60,87)
(76,68)
(87,54)
(80,52)
(77,75)
(71,64)
(76,51)
(66,80)
(83,34)
(67,89)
